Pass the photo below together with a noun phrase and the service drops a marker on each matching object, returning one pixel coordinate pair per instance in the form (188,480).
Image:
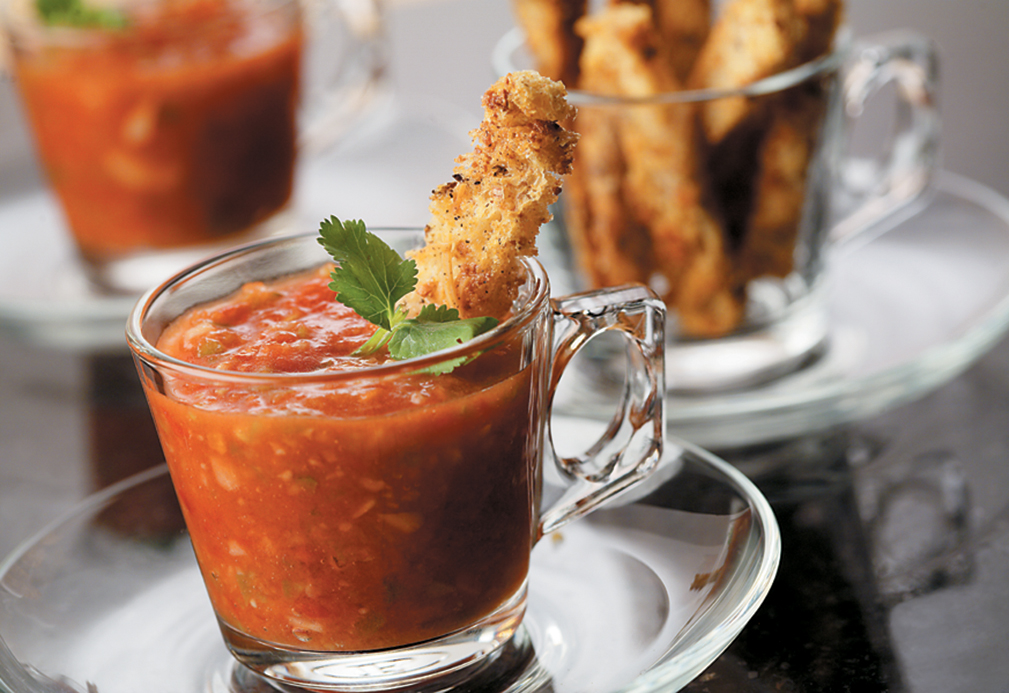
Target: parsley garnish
(75,13)
(371,278)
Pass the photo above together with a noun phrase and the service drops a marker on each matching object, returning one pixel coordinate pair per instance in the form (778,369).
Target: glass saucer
(912,304)
(640,596)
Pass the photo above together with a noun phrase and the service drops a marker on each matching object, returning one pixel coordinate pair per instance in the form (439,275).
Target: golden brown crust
(750,40)
(684,26)
(820,20)
(549,30)
(694,210)
(487,218)
(779,185)
(663,186)
(609,247)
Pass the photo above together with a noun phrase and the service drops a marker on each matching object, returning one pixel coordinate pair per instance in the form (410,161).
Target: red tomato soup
(177,131)
(346,515)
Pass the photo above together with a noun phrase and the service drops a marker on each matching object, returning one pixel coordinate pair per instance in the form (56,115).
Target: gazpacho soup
(174,130)
(337,502)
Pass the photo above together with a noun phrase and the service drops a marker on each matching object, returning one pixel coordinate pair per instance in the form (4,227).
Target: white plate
(640,596)
(912,304)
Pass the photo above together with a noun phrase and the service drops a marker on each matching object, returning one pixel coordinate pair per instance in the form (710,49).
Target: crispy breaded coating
(663,185)
(733,161)
(609,247)
(750,40)
(695,201)
(683,26)
(486,219)
(779,186)
(707,303)
(820,20)
(549,30)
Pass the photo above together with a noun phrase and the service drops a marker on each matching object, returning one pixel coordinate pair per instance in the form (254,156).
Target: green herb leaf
(74,13)
(379,338)
(371,277)
(436,328)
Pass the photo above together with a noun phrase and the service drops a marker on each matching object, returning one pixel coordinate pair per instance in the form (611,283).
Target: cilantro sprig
(370,278)
(74,13)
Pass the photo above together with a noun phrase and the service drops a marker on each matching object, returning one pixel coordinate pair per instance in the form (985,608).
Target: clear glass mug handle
(630,447)
(344,67)
(908,61)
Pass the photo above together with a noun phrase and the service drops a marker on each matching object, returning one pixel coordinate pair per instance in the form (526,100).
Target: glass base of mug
(438,664)
(782,334)
(786,329)
(134,273)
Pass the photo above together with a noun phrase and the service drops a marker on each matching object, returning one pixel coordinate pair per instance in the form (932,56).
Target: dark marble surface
(895,551)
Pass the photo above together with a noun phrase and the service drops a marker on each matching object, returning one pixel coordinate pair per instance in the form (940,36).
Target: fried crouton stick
(750,40)
(683,26)
(780,183)
(486,219)
(549,30)
(820,20)
(623,55)
(609,248)
(783,155)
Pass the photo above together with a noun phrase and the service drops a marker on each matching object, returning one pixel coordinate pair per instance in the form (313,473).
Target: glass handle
(910,63)
(632,443)
(344,68)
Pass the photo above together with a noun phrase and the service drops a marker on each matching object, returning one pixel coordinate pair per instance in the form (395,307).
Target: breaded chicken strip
(486,219)
(549,30)
(750,40)
(788,132)
(820,20)
(663,188)
(780,184)
(683,26)
(609,248)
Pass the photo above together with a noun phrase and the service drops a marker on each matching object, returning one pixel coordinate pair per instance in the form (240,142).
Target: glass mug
(175,132)
(349,544)
(782,188)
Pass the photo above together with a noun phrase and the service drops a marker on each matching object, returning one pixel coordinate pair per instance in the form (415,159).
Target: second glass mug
(361,549)
(812,109)
(171,128)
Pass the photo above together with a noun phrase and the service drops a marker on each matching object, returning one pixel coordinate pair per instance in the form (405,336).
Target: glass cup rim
(22,24)
(536,296)
(511,42)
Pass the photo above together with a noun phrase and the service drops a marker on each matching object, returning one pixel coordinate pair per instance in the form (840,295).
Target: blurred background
(975,86)
(971,35)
